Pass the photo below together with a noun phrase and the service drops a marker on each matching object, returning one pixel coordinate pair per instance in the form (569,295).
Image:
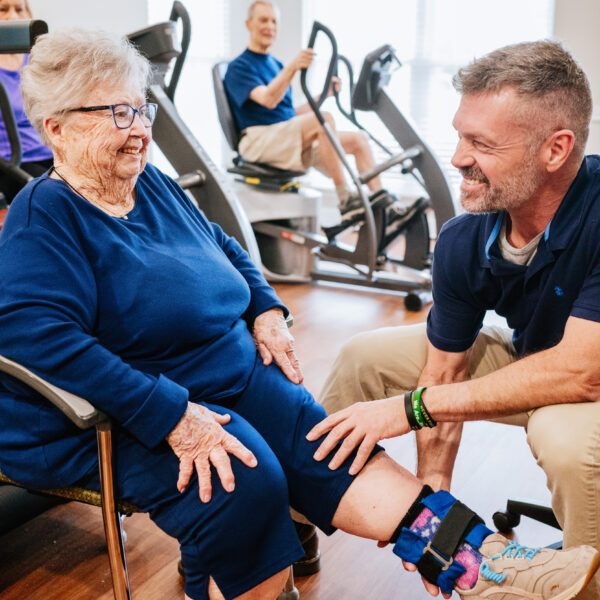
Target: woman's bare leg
(377,499)
(267,590)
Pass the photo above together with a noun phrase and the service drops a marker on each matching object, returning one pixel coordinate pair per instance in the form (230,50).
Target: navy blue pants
(244,537)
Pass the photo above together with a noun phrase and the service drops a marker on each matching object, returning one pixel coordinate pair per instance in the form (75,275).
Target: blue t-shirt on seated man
(248,71)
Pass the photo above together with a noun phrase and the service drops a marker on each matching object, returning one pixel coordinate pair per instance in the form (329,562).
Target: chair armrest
(80,411)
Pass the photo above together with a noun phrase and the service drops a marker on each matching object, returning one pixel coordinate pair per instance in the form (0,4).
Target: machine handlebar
(179,12)
(331,69)
(17,37)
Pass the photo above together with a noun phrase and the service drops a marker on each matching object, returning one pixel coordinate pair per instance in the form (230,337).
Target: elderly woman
(115,287)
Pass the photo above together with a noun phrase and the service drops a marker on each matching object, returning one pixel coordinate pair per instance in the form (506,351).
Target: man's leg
(313,131)
(565,440)
(387,362)
(357,144)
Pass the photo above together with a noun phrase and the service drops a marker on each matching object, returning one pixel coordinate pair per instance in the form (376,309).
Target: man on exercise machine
(527,248)
(277,133)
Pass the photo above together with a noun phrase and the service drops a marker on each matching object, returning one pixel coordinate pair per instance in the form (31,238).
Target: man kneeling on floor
(528,248)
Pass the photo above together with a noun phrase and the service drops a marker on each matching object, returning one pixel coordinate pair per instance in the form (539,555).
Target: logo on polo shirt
(558,291)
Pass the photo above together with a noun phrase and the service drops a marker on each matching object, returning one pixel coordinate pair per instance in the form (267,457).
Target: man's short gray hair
(65,66)
(254,4)
(544,73)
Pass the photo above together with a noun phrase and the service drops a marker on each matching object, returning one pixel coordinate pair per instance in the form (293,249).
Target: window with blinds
(432,38)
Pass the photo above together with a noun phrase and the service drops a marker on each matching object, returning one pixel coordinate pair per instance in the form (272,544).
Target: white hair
(65,66)
(257,2)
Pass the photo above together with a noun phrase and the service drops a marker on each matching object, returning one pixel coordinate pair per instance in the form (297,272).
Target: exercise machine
(367,262)
(16,37)
(415,158)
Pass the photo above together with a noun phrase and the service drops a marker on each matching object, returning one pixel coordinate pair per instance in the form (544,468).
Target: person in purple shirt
(36,156)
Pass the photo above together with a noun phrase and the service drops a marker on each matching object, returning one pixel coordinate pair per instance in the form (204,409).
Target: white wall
(576,24)
(119,16)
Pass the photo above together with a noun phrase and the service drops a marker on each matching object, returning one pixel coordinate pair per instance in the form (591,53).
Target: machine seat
(232,134)
(249,169)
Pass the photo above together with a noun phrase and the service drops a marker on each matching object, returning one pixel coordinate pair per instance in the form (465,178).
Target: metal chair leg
(110,515)
(290,592)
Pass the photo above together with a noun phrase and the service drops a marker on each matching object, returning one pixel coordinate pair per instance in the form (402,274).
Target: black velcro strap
(454,528)
(413,512)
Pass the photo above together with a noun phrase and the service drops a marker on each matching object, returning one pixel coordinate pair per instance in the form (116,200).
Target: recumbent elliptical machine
(369,260)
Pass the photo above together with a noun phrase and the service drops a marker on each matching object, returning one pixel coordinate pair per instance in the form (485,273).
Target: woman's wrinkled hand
(361,425)
(200,441)
(275,342)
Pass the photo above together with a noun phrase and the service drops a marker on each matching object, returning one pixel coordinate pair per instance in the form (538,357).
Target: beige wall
(577,25)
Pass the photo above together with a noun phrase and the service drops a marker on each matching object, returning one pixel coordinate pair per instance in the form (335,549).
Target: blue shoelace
(513,550)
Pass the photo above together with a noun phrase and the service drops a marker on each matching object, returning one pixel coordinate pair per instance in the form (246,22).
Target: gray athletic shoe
(514,572)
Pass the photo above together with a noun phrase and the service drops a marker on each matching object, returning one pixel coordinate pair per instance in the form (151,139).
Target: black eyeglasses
(124,114)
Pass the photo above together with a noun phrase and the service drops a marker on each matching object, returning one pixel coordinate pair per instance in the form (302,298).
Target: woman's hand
(363,424)
(274,341)
(200,441)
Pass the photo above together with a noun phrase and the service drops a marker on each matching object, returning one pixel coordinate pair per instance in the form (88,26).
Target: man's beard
(514,191)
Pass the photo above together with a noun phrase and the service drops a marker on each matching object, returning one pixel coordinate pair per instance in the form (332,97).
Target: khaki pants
(564,438)
(279,145)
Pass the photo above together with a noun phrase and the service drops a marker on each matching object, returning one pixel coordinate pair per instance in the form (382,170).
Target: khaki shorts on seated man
(528,248)
(275,132)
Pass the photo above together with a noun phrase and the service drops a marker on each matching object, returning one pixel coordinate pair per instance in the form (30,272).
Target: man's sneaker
(353,212)
(399,217)
(352,207)
(514,572)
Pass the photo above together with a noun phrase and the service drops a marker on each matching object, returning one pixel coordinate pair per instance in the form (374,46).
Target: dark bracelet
(410,415)
(428,420)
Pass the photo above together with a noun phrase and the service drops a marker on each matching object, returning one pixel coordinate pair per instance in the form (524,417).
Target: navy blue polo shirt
(563,279)
(248,71)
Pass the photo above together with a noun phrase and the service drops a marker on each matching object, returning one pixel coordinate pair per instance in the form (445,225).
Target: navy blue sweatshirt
(136,315)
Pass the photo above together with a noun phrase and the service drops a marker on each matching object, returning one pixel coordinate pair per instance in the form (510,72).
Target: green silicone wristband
(416,405)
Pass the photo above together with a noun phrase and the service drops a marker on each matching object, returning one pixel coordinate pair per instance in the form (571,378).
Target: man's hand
(200,441)
(363,424)
(274,341)
(335,87)
(303,59)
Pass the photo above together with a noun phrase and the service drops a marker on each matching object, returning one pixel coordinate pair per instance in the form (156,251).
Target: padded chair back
(228,124)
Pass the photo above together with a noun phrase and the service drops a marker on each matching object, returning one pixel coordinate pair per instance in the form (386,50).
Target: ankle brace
(435,558)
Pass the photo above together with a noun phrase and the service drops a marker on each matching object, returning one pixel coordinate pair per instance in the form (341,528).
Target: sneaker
(353,212)
(399,216)
(514,572)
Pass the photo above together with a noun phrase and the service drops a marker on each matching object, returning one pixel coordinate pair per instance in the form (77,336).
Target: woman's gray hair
(544,73)
(66,65)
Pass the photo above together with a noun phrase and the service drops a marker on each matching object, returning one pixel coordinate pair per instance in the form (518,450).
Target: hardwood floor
(60,554)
